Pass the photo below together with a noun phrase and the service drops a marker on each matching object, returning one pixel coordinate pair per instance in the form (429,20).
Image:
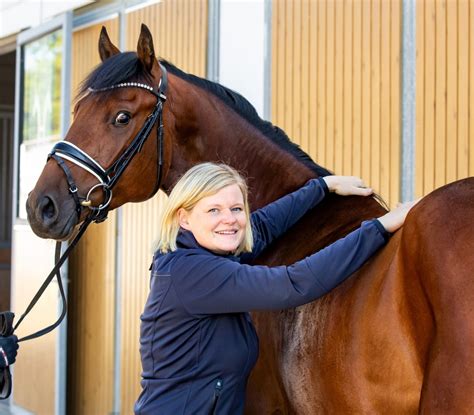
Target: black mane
(126,67)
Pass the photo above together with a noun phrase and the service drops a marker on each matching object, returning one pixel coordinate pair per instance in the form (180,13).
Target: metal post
(408,101)
(213,40)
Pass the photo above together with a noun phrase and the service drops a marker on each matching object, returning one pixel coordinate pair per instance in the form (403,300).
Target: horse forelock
(123,67)
(246,110)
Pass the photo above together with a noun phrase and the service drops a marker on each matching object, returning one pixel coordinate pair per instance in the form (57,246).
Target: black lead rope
(77,156)
(6,317)
(54,272)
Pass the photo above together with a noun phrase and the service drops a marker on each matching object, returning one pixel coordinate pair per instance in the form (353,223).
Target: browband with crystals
(160,94)
(123,85)
(131,84)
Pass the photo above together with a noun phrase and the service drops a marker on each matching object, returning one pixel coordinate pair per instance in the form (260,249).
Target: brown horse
(397,337)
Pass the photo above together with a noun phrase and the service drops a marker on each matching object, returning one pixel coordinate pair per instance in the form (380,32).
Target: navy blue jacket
(198,344)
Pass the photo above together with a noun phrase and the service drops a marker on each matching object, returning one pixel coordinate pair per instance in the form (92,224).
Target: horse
(396,337)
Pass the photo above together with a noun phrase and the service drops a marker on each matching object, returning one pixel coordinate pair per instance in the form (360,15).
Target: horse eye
(122,118)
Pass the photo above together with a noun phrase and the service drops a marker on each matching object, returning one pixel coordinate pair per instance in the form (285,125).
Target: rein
(107,179)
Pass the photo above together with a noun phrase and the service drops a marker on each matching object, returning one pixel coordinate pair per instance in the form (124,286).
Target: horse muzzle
(51,218)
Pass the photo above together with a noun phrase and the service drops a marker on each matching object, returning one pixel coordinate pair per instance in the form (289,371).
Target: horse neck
(204,128)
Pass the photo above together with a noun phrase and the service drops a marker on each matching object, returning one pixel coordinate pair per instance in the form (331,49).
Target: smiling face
(217,221)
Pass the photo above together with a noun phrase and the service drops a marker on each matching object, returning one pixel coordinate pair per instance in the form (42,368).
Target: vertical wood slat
(91,273)
(421,102)
(471,89)
(329,88)
(375,156)
(440,97)
(462,165)
(394,156)
(180,35)
(321,71)
(430,86)
(339,59)
(351,124)
(451,135)
(313,77)
(444,140)
(384,97)
(355,132)
(348,87)
(366,89)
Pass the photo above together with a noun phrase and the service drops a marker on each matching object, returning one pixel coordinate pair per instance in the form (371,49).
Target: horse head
(116,123)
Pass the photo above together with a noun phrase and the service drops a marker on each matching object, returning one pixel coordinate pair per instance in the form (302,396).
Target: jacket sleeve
(273,220)
(211,284)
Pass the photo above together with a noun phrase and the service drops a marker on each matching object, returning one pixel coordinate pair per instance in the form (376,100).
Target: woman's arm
(208,284)
(273,220)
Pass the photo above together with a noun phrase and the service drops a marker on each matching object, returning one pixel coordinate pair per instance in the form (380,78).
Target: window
(40,123)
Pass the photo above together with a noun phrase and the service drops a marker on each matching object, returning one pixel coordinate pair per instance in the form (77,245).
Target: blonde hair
(200,181)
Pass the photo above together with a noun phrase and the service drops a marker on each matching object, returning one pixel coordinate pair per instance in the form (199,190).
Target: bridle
(107,179)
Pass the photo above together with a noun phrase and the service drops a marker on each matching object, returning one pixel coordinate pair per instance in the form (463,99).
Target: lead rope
(98,215)
(54,272)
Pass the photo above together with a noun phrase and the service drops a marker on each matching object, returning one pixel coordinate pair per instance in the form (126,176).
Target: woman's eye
(122,118)
(213,210)
(237,209)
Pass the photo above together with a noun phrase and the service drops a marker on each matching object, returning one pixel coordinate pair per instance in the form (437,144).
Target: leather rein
(107,178)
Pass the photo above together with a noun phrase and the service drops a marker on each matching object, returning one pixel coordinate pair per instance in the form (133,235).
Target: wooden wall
(179,31)
(336,85)
(92,278)
(444,92)
(335,88)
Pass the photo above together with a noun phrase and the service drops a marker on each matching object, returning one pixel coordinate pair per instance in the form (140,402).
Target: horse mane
(247,111)
(126,67)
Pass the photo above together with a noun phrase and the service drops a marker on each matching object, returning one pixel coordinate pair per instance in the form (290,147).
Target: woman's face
(217,221)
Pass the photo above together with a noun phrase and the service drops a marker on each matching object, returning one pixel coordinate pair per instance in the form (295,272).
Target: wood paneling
(179,31)
(336,82)
(444,70)
(92,278)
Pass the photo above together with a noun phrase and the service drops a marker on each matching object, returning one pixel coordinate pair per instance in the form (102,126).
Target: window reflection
(42,60)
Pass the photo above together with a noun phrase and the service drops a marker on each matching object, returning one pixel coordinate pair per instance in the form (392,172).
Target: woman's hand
(8,350)
(347,185)
(394,219)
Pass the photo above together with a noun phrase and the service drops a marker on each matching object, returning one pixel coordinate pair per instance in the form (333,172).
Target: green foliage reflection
(42,88)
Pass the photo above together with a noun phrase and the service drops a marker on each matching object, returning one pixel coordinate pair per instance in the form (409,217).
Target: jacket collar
(186,240)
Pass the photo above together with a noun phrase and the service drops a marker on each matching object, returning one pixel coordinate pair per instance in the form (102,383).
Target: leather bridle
(107,179)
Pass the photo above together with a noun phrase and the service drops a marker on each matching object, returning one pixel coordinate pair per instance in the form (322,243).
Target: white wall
(16,15)
(241,49)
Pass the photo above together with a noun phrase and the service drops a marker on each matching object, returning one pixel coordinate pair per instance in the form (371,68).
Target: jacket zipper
(217,392)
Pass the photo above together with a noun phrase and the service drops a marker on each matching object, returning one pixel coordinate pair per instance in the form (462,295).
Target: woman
(198,344)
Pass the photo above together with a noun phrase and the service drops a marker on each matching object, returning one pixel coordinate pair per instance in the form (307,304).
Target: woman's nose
(228,217)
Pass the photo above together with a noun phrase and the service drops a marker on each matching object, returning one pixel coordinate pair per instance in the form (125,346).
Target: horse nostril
(47,209)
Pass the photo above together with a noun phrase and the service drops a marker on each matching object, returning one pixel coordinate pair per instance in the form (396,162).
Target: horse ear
(145,49)
(106,47)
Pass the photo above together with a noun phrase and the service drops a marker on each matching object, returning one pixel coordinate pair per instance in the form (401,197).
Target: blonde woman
(197,341)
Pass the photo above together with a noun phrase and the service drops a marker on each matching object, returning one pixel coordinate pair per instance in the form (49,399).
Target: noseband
(107,178)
